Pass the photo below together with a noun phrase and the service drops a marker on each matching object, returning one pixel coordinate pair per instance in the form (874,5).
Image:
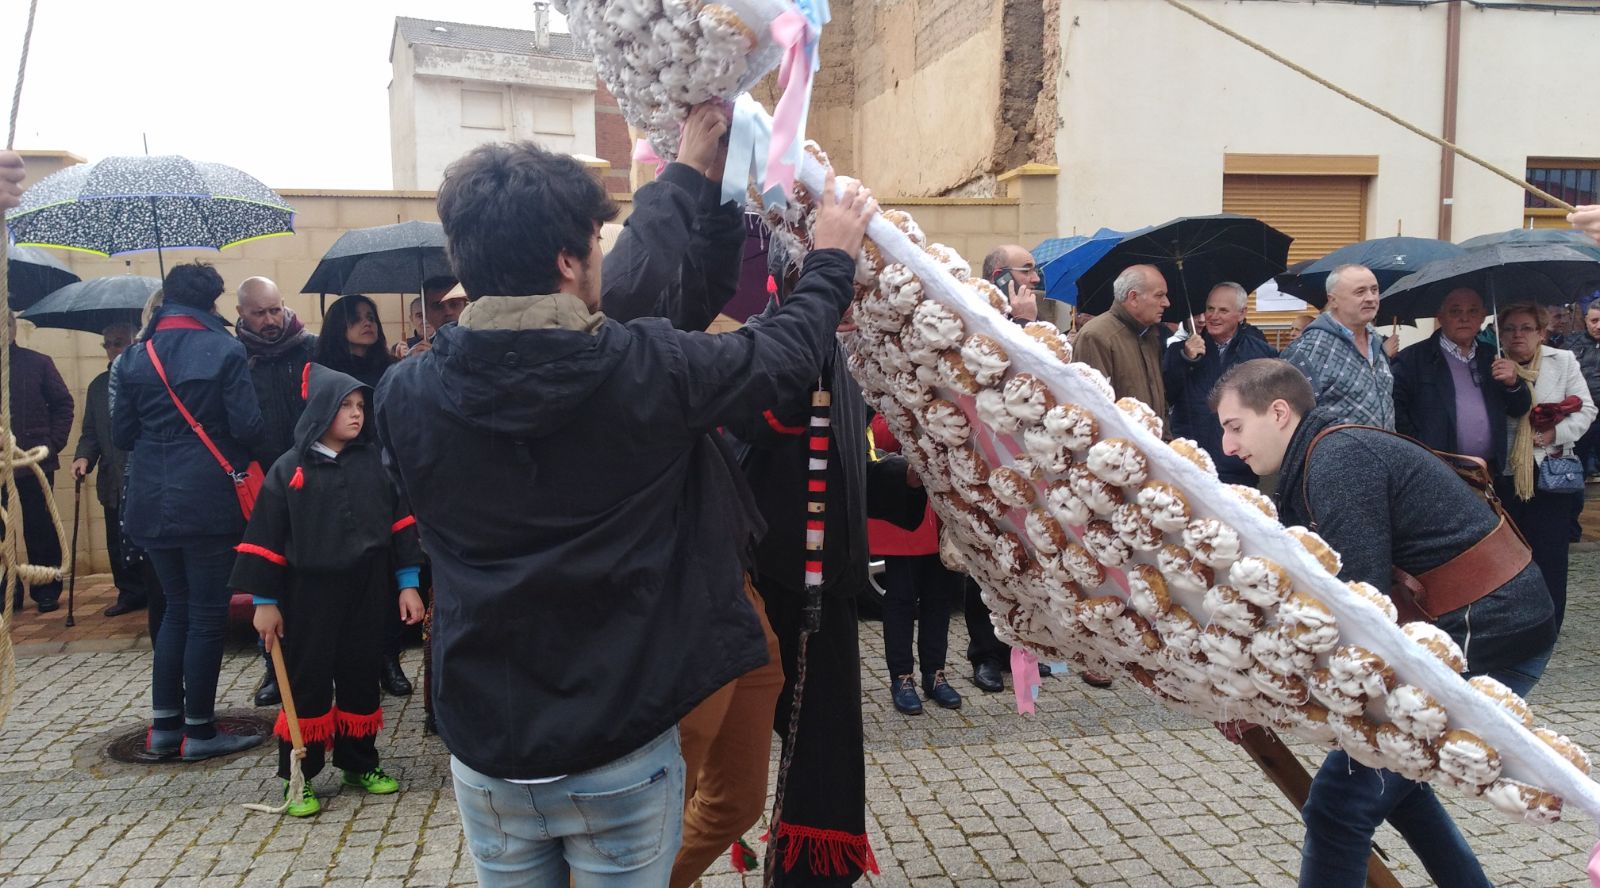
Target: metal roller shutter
(1321,213)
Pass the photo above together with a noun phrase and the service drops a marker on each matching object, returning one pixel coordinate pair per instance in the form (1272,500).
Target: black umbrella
(1561,237)
(34,274)
(1389,258)
(132,204)
(1544,275)
(1195,254)
(92,306)
(386,259)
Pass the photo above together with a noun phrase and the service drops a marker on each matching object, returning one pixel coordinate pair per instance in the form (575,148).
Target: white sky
(294,92)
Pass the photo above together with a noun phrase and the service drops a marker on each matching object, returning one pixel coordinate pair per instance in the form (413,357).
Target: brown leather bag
(1484,567)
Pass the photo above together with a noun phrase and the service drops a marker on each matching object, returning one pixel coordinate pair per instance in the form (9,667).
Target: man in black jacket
(585,532)
(1191,367)
(1383,503)
(279,347)
(1452,393)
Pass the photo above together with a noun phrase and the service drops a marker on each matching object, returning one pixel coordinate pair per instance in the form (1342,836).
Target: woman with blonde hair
(1537,495)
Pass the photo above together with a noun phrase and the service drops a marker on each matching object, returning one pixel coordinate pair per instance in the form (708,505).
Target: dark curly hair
(510,209)
(194,284)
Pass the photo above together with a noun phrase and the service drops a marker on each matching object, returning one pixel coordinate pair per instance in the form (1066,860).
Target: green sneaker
(373,781)
(306,806)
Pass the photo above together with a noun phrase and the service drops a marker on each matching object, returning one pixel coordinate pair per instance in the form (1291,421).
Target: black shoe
(904,693)
(117,609)
(988,678)
(1044,670)
(939,690)
(46,607)
(394,679)
(267,694)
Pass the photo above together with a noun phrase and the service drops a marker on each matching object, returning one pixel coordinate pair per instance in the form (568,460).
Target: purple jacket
(41,406)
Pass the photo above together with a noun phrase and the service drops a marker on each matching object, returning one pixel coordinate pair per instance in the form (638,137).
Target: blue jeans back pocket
(480,822)
(628,826)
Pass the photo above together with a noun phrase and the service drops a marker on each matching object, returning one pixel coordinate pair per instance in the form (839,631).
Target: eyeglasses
(1518,331)
(1023,269)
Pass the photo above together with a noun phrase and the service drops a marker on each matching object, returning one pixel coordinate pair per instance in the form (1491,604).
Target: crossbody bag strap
(155,361)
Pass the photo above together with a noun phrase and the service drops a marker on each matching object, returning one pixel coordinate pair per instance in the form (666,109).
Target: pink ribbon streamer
(794,78)
(1025,679)
(1594,867)
(644,152)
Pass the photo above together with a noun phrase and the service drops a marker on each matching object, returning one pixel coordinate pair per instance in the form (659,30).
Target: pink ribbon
(644,152)
(1025,679)
(1594,867)
(794,78)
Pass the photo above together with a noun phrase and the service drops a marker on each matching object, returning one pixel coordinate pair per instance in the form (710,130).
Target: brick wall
(612,141)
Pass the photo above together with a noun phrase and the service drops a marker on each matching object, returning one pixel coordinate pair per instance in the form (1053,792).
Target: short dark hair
(439,283)
(510,209)
(194,284)
(1259,382)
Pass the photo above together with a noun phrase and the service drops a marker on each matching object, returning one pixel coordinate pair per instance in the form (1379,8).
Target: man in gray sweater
(1386,505)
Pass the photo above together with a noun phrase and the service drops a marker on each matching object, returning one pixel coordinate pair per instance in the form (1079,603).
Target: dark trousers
(1546,522)
(1588,450)
(825,803)
(129,578)
(38,533)
(155,607)
(917,596)
(333,650)
(188,652)
(982,646)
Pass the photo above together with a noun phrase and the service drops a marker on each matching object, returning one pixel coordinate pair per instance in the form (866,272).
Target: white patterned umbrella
(132,204)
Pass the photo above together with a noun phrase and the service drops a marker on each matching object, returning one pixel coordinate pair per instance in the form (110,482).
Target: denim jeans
(1349,800)
(188,652)
(917,597)
(617,825)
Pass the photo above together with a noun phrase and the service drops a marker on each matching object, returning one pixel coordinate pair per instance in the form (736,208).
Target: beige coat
(1128,354)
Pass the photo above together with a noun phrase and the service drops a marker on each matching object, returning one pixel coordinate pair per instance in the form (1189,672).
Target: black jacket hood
(324,390)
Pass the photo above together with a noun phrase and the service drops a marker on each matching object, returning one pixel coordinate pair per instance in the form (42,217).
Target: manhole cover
(127,745)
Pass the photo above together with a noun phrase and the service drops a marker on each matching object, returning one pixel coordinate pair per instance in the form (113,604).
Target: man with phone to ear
(1012,269)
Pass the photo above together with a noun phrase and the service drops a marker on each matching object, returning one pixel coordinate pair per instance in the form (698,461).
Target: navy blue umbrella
(1062,259)
(92,306)
(1389,258)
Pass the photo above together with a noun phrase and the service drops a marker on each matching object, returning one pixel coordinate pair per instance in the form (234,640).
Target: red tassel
(305,382)
(299,479)
(832,852)
(316,729)
(352,725)
(736,858)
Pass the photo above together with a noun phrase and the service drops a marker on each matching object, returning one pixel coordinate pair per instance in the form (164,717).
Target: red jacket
(883,537)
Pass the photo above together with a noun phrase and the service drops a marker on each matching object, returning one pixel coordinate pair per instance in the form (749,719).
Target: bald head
(261,308)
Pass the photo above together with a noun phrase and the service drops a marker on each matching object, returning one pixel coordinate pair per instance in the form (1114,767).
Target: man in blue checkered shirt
(1344,356)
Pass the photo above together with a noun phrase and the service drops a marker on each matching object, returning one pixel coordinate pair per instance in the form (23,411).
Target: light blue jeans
(618,825)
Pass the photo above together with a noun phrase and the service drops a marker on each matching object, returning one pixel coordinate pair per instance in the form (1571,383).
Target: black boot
(394,678)
(267,694)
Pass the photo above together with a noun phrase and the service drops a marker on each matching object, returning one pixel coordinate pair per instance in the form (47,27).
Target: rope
(1370,106)
(816,509)
(13,552)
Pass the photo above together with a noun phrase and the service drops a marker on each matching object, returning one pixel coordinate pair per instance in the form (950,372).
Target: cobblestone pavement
(1100,788)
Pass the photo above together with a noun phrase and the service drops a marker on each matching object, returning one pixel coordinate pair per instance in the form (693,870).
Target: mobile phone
(1003,280)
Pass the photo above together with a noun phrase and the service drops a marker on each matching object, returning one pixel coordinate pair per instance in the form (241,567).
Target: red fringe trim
(263,552)
(832,852)
(305,382)
(403,523)
(352,725)
(299,479)
(736,858)
(317,729)
(779,427)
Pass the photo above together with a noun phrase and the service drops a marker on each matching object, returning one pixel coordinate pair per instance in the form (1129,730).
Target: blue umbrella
(1062,259)
(1389,258)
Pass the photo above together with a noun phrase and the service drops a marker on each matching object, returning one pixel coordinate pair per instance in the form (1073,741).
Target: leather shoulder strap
(155,361)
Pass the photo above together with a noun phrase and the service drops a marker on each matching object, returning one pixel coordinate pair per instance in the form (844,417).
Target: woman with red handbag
(184,409)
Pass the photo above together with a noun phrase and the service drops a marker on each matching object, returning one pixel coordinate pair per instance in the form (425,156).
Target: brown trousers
(727,743)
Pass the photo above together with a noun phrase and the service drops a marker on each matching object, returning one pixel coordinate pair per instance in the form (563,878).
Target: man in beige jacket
(1126,343)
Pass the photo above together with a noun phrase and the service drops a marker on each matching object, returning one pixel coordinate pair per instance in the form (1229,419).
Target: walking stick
(72,581)
(297,778)
(1286,772)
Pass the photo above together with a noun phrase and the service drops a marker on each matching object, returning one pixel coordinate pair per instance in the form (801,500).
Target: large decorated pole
(1092,539)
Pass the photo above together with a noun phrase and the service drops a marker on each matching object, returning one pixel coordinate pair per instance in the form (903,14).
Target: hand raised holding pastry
(842,219)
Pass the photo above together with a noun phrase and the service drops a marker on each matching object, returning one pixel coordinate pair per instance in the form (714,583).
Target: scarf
(1521,456)
(294,331)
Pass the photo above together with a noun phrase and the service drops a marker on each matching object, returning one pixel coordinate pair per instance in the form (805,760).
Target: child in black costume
(328,537)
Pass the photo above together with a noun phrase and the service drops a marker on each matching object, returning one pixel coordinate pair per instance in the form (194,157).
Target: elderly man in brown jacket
(1126,343)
